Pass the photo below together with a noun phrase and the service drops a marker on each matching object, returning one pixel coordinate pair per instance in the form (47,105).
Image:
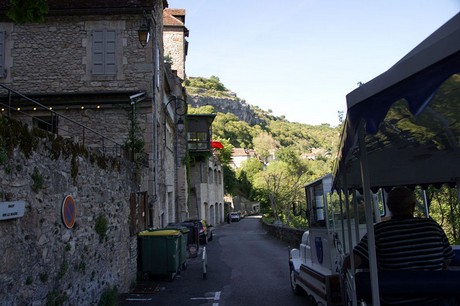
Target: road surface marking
(134,299)
(215,298)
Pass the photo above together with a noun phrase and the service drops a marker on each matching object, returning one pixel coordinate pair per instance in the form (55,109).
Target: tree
(208,109)
(23,11)
(281,186)
(228,126)
(265,145)
(444,209)
(230,181)
(245,175)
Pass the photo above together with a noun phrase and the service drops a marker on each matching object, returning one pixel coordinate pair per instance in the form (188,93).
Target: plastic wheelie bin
(160,252)
(183,241)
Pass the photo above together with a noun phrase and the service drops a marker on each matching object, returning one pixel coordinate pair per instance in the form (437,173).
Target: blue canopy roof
(411,115)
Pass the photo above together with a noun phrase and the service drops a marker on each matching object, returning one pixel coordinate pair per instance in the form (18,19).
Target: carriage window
(379,197)
(315,206)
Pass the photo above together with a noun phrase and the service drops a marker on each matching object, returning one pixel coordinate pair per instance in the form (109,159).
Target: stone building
(86,63)
(206,199)
(240,155)
(83,75)
(174,37)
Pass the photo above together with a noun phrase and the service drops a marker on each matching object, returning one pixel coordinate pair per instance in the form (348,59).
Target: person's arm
(347,262)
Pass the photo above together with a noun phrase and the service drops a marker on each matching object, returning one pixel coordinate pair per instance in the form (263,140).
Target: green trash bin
(160,252)
(183,243)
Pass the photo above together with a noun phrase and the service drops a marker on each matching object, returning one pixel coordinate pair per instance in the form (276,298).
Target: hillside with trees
(289,154)
(302,153)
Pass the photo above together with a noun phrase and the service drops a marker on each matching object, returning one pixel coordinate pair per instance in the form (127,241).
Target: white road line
(215,298)
(134,299)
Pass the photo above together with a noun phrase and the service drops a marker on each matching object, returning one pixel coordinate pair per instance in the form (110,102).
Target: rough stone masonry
(40,258)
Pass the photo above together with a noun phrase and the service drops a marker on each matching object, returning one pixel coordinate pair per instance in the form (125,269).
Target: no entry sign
(69,211)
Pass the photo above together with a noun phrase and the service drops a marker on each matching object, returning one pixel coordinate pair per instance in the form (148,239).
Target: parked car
(234,217)
(204,230)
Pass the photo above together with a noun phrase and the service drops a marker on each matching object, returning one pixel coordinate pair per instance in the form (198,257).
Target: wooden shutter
(98,52)
(110,60)
(104,52)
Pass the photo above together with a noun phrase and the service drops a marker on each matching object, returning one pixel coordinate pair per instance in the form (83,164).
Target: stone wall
(40,258)
(56,56)
(290,235)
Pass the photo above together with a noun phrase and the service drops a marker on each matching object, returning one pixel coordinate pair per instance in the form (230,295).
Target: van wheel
(295,288)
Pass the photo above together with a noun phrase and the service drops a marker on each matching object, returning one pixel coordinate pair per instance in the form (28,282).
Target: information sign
(12,209)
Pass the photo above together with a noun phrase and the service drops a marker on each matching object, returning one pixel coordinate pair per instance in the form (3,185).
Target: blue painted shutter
(104,48)
(110,64)
(2,53)
(98,52)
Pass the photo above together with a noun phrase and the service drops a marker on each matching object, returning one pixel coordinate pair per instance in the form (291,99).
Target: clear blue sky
(299,58)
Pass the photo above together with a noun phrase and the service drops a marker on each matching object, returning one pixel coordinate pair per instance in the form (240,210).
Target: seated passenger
(406,243)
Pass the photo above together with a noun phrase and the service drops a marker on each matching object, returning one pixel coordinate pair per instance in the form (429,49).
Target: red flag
(216,144)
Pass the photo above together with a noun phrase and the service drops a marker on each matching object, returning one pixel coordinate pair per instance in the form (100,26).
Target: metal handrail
(117,145)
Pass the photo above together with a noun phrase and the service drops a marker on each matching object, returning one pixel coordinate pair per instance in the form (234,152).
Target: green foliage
(23,11)
(245,176)
(29,280)
(37,180)
(74,166)
(208,109)
(213,83)
(56,298)
(228,126)
(3,154)
(81,267)
(265,145)
(43,277)
(444,209)
(101,227)
(168,59)
(282,185)
(225,154)
(63,269)
(135,142)
(276,187)
(229,179)
(109,297)
(299,222)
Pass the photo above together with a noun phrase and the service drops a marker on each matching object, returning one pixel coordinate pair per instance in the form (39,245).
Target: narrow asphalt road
(246,267)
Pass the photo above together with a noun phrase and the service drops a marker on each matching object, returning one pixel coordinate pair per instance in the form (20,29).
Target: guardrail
(107,145)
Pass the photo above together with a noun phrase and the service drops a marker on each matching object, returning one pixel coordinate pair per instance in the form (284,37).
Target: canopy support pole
(369,219)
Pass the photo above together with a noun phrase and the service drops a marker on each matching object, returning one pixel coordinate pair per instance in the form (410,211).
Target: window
(2,54)
(104,56)
(198,141)
(47,123)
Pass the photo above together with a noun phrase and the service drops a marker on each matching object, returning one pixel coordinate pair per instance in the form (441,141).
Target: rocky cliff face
(228,104)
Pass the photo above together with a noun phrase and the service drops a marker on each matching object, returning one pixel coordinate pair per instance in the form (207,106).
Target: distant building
(315,153)
(240,155)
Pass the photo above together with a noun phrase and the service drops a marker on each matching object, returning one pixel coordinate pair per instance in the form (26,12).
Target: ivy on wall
(23,11)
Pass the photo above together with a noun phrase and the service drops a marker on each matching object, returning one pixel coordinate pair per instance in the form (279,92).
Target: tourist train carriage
(402,128)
